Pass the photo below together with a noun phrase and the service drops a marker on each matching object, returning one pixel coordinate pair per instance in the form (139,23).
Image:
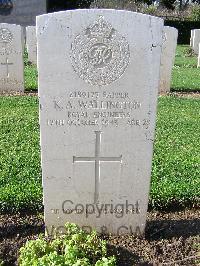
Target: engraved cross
(7,64)
(97,159)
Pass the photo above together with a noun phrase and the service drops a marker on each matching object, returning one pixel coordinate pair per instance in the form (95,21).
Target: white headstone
(11,58)
(196,41)
(191,38)
(23,38)
(98,85)
(199,57)
(170,36)
(31,44)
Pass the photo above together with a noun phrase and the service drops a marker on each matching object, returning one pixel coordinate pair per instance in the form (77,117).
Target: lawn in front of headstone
(185,74)
(19,160)
(175,173)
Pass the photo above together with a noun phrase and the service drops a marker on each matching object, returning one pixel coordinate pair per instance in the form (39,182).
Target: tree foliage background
(56,5)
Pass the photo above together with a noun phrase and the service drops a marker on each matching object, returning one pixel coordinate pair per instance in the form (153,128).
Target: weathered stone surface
(170,36)
(191,38)
(11,58)
(199,57)
(98,85)
(23,12)
(196,40)
(31,44)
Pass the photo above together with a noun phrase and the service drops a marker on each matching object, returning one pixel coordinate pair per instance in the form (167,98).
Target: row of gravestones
(11,56)
(195,43)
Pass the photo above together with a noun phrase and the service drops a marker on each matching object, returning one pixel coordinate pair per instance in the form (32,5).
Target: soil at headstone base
(170,239)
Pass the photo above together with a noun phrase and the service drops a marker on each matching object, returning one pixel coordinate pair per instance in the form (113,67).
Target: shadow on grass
(168,229)
(125,257)
(185,90)
(160,236)
(173,90)
(27,91)
(23,227)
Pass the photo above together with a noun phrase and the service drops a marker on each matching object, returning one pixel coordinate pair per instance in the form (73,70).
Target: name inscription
(98,108)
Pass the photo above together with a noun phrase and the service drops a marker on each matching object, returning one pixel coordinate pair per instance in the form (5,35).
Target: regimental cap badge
(99,54)
(5,36)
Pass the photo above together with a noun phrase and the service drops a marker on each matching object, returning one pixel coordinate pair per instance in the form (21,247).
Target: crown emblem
(100,29)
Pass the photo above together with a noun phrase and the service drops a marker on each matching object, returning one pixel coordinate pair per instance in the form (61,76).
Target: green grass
(185,74)
(20,176)
(30,75)
(176,164)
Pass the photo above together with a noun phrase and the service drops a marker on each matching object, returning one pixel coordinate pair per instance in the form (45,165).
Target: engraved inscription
(100,55)
(7,64)
(97,159)
(103,109)
(5,36)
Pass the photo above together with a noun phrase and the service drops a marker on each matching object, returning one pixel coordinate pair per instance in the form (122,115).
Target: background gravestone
(98,85)
(11,58)
(170,36)
(31,44)
(196,40)
(191,38)
(199,57)
(22,12)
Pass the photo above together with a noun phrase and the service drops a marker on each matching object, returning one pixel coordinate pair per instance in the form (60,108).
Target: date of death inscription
(105,109)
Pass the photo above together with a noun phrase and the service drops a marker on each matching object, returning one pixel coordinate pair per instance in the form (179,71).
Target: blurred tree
(171,4)
(6,7)
(7,4)
(57,5)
